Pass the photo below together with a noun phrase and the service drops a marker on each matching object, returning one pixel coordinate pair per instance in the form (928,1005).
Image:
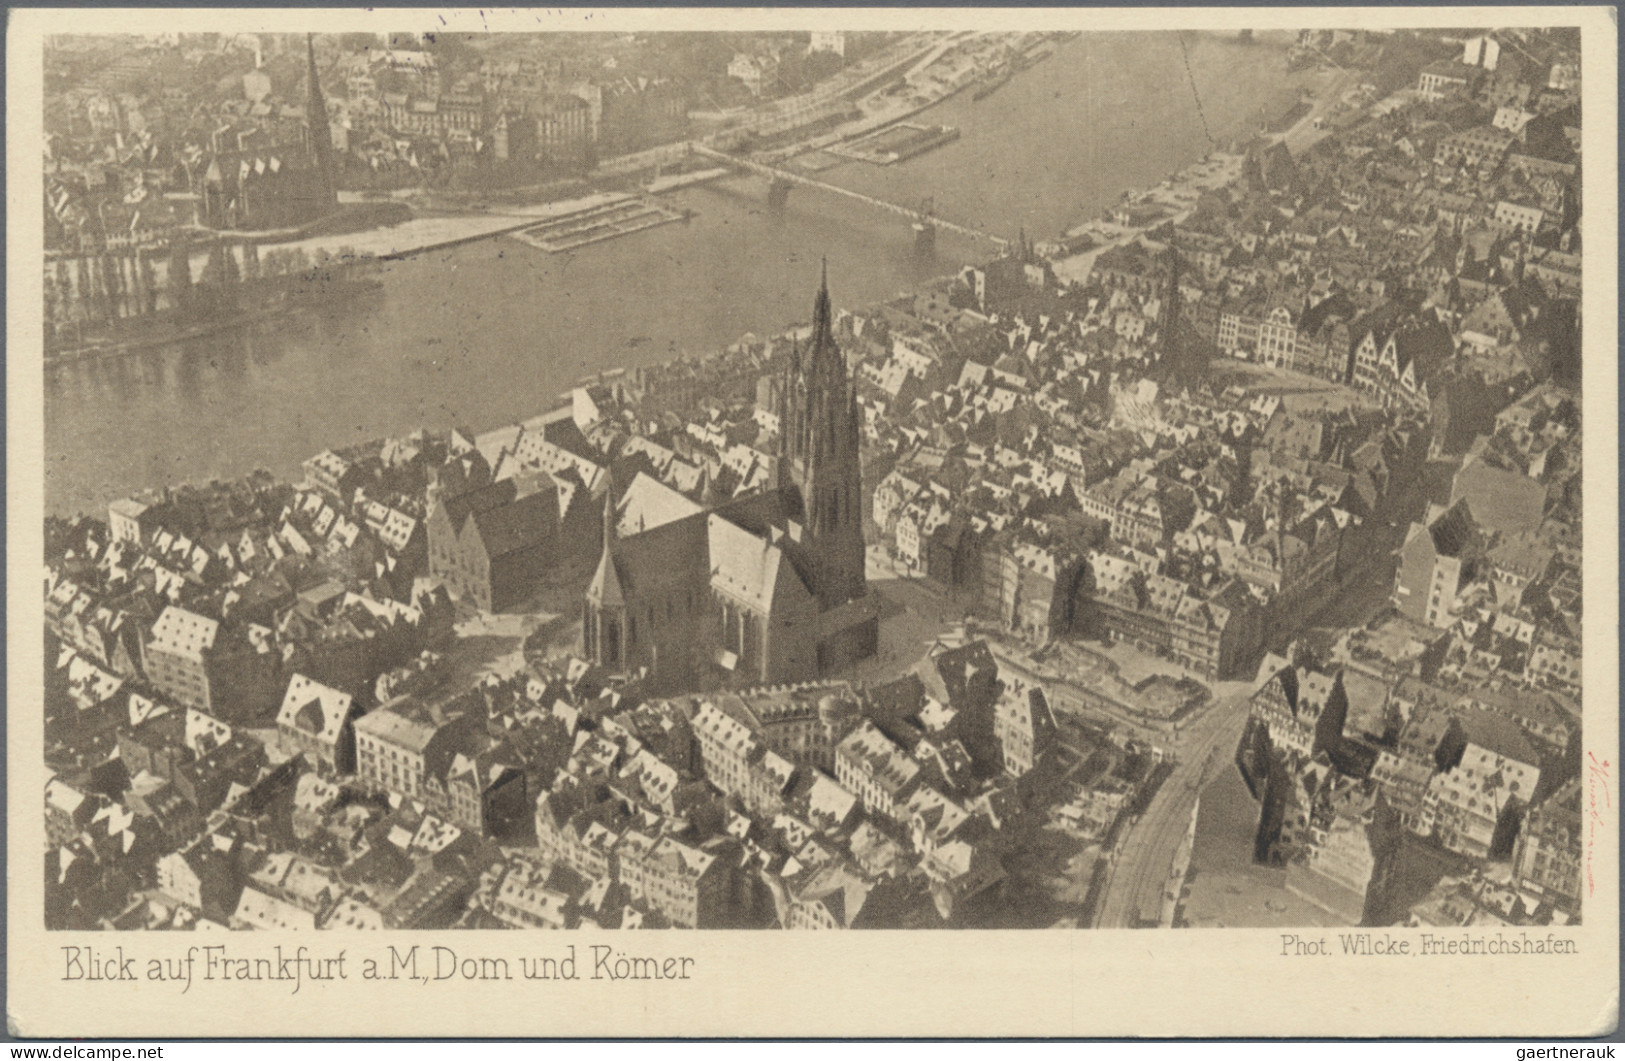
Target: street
(1143,858)
(1147,851)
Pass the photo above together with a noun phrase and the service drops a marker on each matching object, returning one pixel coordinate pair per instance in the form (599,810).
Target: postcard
(1084,508)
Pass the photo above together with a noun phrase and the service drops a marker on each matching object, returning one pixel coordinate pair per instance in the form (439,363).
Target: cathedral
(763,589)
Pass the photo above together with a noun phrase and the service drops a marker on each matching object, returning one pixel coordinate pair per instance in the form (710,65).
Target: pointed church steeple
(605,590)
(321,135)
(820,456)
(822,330)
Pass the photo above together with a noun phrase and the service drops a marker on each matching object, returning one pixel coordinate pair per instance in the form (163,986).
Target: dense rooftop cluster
(266,705)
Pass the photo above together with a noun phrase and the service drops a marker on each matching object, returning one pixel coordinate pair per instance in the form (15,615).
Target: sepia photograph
(1093,489)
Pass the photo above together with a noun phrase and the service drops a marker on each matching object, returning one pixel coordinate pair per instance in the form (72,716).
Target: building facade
(765,589)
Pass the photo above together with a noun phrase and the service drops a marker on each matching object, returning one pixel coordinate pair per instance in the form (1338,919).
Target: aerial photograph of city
(813,480)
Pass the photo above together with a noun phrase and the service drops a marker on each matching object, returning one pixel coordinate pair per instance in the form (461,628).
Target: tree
(451,51)
(89,296)
(221,270)
(180,276)
(108,281)
(149,283)
(358,42)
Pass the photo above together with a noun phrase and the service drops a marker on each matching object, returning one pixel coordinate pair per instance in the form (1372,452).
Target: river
(490,332)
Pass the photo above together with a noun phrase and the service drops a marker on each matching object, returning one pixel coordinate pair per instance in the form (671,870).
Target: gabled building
(204,877)
(1025,728)
(1438,559)
(1303,710)
(389,750)
(1395,367)
(1488,773)
(317,721)
(691,887)
(876,770)
(177,655)
(1546,861)
(492,546)
(765,589)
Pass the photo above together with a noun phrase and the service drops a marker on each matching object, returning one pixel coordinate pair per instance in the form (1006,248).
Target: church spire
(605,590)
(321,135)
(821,458)
(822,331)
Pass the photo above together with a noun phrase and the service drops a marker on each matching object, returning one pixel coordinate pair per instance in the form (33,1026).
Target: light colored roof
(266,911)
(747,567)
(649,503)
(63,796)
(711,722)
(827,799)
(873,754)
(395,728)
(128,506)
(184,633)
(315,708)
(779,769)
(688,861)
(202,727)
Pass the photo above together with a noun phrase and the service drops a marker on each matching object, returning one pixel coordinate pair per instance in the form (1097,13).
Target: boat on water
(1043,51)
(1012,64)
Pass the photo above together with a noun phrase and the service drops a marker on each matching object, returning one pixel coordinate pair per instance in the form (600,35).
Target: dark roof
(1497,734)
(524,523)
(311,718)
(1452,531)
(949,534)
(1503,501)
(1337,304)
(957,664)
(1518,299)
(901,698)
(459,507)
(663,557)
(760,513)
(1380,322)
(1427,343)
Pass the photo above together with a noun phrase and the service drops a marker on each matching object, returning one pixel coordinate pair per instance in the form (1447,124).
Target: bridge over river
(780,181)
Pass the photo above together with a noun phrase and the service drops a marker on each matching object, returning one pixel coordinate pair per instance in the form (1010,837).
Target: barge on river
(595,224)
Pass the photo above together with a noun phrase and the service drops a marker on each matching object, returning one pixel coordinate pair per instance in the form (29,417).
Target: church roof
(660,559)
(648,503)
(746,566)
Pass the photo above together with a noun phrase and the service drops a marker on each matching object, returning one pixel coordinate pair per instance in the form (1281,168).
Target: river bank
(487,331)
(169,330)
(933,75)
(1177,195)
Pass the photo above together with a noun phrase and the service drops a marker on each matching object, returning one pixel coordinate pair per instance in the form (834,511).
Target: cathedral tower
(321,133)
(820,456)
